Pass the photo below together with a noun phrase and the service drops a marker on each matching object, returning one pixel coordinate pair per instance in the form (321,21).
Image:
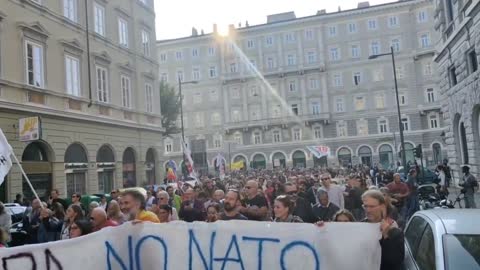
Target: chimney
(202,32)
(239,25)
(320,12)
(194,32)
(215,28)
(246,24)
(363,4)
(339,9)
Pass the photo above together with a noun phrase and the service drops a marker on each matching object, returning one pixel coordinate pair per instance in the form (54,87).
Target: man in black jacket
(303,209)
(324,210)
(392,242)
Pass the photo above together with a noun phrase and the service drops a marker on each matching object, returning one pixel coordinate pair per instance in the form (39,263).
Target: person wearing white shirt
(335,192)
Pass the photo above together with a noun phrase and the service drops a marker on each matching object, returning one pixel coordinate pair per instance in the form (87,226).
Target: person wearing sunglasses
(335,192)
(255,205)
(302,208)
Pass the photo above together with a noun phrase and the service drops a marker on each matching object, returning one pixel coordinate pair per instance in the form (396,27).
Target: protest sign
(201,246)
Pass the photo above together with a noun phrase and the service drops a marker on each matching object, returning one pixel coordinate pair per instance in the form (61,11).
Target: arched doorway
(385,154)
(365,154)
(150,166)
(76,167)
(299,160)
(320,162)
(409,155)
(129,168)
(242,159)
(105,169)
(279,160)
(36,162)
(437,153)
(345,157)
(259,162)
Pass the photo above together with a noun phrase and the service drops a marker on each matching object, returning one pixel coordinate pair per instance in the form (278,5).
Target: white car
(443,239)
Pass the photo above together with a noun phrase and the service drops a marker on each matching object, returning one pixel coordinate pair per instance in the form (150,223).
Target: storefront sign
(30,129)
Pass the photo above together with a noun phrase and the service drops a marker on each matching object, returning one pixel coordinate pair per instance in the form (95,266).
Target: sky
(175,18)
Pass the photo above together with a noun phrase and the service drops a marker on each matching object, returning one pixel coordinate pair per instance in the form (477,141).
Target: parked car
(16,211)
(443,239)
(428,176)
(18,236)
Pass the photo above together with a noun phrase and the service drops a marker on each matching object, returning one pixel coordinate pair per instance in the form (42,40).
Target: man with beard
(256,206)
(302,208)
(230,206)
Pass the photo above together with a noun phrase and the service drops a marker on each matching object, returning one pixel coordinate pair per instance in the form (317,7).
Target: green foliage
(170,107)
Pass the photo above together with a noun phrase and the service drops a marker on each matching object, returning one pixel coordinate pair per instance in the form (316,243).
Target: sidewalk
(454,192)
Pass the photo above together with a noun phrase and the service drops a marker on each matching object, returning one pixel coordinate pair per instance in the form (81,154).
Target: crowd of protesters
(319,196)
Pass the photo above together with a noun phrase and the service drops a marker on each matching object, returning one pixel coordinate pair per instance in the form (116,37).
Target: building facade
(266,92)
(458,25)
(92,92)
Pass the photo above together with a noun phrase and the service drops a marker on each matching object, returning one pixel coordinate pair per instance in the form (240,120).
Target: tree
(170,104)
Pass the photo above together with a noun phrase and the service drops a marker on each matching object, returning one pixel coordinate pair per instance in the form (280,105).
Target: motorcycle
(430,197)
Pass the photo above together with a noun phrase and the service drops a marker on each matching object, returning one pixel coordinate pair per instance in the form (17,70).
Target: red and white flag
(5,159)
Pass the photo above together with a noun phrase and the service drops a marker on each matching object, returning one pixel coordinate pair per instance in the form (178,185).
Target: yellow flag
(237,165)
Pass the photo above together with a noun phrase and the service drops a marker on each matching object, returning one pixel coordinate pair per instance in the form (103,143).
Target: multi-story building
(458,26)
(92,92)
(266,92)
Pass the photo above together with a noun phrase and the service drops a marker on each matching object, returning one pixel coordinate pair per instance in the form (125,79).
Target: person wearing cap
(469,184)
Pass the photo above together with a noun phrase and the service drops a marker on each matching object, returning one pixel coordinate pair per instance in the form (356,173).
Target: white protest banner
(221,245)
(5,160)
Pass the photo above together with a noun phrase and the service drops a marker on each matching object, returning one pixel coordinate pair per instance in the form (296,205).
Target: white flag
(5,152)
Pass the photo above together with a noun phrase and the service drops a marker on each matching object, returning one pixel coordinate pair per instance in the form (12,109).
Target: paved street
(454,192)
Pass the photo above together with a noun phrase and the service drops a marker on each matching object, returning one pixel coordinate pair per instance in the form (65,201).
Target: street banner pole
(28,180)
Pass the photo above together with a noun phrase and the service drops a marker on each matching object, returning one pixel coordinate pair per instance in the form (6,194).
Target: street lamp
(402,139)
(181,113)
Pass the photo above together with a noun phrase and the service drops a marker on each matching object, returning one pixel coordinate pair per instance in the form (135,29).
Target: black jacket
(393,250)
(303,209)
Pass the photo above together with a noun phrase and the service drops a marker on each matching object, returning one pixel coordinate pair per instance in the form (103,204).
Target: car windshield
(462,251)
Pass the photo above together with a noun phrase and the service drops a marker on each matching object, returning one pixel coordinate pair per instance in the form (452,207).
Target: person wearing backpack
(470,185)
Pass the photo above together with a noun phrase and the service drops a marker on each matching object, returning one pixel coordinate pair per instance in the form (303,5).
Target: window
(383,126)
(164,77)
(297,134)
(334,54)
(372,24)
(257,137)
(405,123)
(380,101)
(233,67)
(276,111)
(332,31)
(163,57)
(250,44)
(425,40)
(254,91)
(393,21)
(362,127)
(294,108)
(472,61)
(355,51)
(269,40)
(211,51)
(194,52)
(70,9)
(149,98)
(216,120)
(196,74)
(433,120)
(197,98)
(123,32)
(357,78)
(99,19)
(72,75)
(35,64)
(426,258)
(291,61)
(76,183)
(212,72)
(311,57)
(313,83)
(146,43)
(213,95)
(316,108)
(292,86)
(339,104)
(374,48)
(413,233)
(360,103)
(236,116)
(178,55)
(237,138)
(290,37)
(199,123)
(377,75)
(399,72)
(217,141)
(180,75)
(309,34)
(452,76)
(352,27)
(254,113)
(430,95)
(317,132)
(126,92)
(427,69)
(395,44)
(342,129)
(102,84)
(270,63)
(422,16)
(403,99)
(235,93)
(277,137)
(168,147)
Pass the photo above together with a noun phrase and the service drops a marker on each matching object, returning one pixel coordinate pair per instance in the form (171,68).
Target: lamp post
(181,115)
(400,126)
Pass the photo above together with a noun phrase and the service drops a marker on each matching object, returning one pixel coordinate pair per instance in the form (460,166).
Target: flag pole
(26,178)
